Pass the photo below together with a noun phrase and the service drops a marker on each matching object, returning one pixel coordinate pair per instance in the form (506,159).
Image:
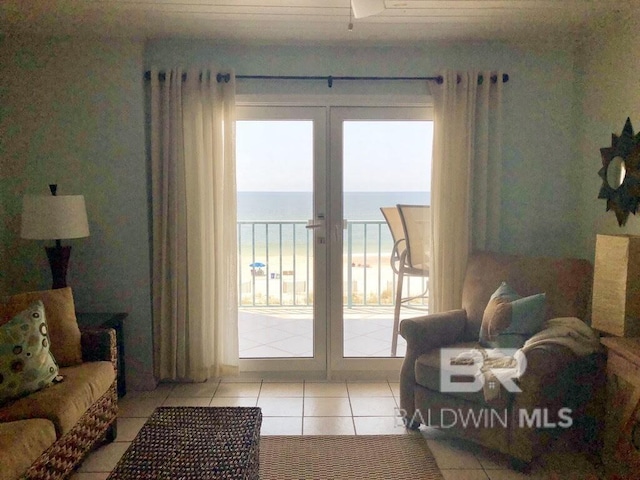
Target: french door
(315,284)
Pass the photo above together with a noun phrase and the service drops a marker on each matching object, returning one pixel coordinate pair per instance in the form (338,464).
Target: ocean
(297,206)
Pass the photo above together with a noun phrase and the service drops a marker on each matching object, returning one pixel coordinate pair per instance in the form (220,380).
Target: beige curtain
(466,178)
(195,312)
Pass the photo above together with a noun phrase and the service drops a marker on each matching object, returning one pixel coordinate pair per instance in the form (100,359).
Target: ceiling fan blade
(366,8)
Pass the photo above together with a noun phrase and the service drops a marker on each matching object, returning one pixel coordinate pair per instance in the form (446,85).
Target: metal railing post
(253,260)
(349,265)
(380,264)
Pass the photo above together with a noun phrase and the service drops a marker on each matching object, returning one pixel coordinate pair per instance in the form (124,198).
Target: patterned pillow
(509,319)
(64,333)
(26,364)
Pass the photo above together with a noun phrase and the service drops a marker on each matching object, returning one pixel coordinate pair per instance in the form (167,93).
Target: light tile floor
(325,408)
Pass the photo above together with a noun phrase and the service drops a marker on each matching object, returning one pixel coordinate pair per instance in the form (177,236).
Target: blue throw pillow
(509,320)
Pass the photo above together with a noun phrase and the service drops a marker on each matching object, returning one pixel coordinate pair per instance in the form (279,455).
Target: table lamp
(616,285)
(55,217)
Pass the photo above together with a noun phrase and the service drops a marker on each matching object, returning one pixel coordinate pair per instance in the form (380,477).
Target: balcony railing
(276,265)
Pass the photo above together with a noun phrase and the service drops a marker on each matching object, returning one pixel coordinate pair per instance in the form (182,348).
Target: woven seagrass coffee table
(185,443)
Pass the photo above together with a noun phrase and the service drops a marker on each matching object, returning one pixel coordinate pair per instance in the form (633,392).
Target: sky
(383,156)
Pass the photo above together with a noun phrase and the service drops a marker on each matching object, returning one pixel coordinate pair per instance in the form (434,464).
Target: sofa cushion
(21,443)
(509,320)
(429,367)
(61,317)
(26,364)
(65,402)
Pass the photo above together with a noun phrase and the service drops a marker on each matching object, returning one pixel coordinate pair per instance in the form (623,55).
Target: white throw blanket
(570,332)
(498,367)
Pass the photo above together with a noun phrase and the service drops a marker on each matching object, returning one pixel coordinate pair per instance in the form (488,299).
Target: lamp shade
(616,285)
(46,217)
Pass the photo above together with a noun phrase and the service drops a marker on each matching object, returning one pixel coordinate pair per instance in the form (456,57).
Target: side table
(115,321)
(621,454)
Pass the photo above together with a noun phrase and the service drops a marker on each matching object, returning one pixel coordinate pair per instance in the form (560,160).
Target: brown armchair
(555,377)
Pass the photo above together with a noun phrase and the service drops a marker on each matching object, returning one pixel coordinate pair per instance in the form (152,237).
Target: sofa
(47,433)
(555,377)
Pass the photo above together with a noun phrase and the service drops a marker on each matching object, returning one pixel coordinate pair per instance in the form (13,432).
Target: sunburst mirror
(620,173)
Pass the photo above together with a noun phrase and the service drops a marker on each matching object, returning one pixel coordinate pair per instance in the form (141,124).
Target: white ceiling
(314,21)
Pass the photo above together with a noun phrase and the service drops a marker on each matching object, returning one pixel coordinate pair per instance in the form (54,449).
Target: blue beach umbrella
(257,265)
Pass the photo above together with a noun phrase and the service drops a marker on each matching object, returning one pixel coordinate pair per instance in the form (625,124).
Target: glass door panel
(385,155)
(277,167)
(385,163)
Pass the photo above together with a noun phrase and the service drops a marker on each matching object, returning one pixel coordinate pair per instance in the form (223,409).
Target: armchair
(555,377)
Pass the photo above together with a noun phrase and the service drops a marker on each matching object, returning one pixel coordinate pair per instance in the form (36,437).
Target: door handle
(310,225)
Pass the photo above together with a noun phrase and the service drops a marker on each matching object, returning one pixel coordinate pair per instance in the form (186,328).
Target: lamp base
(59,261)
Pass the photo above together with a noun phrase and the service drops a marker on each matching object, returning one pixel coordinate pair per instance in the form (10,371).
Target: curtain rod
(225,77)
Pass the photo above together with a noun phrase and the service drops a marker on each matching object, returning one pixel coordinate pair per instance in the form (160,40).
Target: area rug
(194,443)
(341,457)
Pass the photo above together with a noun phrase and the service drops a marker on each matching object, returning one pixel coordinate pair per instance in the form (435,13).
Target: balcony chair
(557,375)
(410,230)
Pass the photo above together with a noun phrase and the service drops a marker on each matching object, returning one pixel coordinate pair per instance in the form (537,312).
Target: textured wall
(609,73)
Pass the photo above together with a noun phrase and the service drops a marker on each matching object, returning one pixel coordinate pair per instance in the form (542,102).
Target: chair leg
(112,432)
(396,314)
(411,424)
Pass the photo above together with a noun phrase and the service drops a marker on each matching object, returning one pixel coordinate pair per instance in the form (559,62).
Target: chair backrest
(416,223)
(567,283)
(392,216)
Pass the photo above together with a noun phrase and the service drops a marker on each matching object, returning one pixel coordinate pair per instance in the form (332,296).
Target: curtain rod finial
(223,77)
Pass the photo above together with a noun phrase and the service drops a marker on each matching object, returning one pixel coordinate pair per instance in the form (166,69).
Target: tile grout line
(216,390)
(303,399)
(259,391)
(353,418)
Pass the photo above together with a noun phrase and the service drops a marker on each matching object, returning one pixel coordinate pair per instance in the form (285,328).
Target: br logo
(464,370)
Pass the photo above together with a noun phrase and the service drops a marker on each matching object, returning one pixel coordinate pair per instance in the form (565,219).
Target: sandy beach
(371,277)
